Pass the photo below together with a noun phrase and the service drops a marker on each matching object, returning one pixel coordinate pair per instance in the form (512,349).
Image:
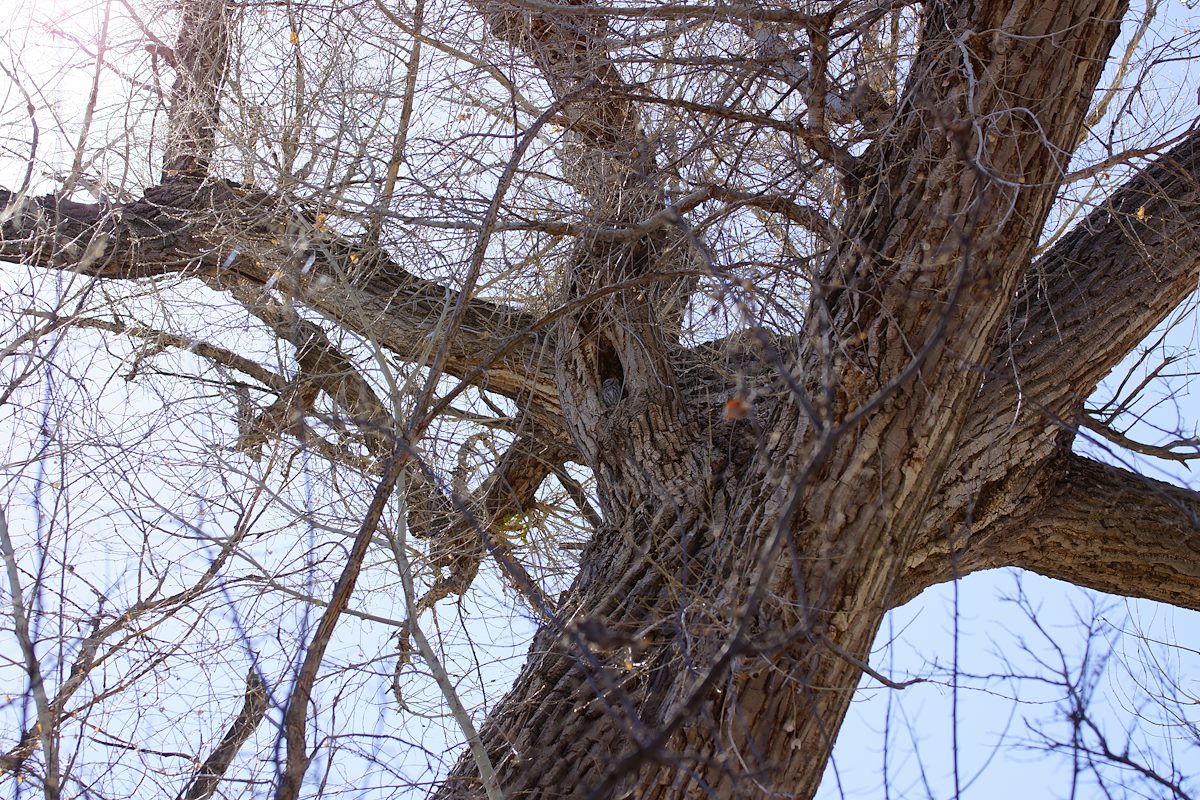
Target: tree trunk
(722,616)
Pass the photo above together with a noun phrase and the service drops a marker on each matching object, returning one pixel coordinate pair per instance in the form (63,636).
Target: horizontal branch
(1112,530)
(1093,525)
(803,215)
(1167,452)
(224,233)
(160,340)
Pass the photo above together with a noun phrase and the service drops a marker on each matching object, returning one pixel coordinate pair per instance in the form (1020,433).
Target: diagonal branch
(323,367)
(37,686)
(295,716)
(1105,285)
(1083,306)
(211,772)
(463,529)
(160,340)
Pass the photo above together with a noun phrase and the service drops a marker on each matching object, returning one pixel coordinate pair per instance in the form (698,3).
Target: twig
(487,773)
(295,718)
(1164,452)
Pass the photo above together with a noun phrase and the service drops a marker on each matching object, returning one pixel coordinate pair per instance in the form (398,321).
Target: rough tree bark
(920,427)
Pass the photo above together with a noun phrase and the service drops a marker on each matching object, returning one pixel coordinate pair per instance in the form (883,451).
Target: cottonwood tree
(798,307)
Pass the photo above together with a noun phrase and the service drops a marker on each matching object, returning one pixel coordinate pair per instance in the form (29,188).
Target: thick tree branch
(1108,529)
(1105,285)
(295,717)
(572,54)
(925,283)
(1084,305)
(1100,289)
(465,528)
(212,771)
(200,60)
(214,229)
(1090,524)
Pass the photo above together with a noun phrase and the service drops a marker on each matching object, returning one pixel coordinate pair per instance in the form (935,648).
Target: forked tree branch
(1083,306)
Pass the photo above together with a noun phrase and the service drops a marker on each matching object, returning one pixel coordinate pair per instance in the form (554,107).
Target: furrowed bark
(929,259)
(1082,307)
(740,569)
(1106,285)
(1093,525)
(936,243)
(1109,529)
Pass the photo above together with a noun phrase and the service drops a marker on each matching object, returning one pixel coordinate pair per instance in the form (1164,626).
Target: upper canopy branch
(607,145)
(572,54)
(200,59)
(948,204)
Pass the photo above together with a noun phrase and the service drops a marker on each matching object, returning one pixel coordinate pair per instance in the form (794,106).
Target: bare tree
(710,333)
